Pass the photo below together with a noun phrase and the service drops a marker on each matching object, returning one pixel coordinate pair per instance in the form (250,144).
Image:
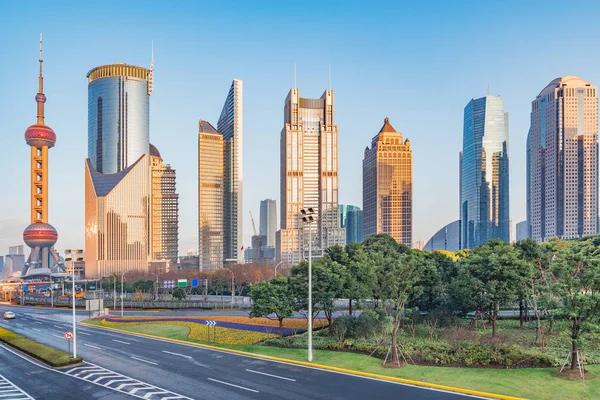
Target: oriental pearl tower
(40,235)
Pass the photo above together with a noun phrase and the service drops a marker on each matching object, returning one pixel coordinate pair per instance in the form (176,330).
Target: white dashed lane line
(271,375)
(231,384)
(176,354)
(120,341)
(142,360)
(92,346)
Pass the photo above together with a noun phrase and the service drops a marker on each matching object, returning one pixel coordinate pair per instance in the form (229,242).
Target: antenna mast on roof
(151,72)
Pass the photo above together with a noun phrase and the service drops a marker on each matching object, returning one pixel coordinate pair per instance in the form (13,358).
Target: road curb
(319,366)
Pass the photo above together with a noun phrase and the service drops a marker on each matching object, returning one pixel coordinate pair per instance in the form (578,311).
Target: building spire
(40,98)
(151,72)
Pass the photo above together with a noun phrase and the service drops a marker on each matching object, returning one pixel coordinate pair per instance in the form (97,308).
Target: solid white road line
(231,384)
(274,376)
(94,347)
(176,354)
(146,361)
(120,341)
(36,329)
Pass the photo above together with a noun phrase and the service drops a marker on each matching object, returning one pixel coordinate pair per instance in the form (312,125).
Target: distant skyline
(419,67)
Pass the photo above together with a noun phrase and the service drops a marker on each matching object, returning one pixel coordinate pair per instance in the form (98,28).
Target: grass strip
(530,383)
(42,352)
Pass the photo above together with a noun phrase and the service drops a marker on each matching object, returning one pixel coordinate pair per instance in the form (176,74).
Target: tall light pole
(232,285)
(155,287)
(278,264)
(75,255)
(122,277)
(115,292)
(307,219)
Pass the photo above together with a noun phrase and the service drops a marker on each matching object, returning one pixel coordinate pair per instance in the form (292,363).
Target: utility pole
(308,218)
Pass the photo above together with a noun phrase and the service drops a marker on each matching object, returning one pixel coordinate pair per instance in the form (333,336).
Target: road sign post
(69,336)
(213,324)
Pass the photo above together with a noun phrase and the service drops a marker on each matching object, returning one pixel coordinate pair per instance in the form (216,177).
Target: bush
(342,326)
(365,324)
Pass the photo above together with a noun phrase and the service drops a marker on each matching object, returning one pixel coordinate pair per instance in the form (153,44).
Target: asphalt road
(182,371)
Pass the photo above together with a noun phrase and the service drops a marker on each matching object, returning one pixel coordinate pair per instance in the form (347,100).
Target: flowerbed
(200,332)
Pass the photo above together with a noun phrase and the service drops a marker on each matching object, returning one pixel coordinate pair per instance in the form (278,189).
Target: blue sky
(417,62)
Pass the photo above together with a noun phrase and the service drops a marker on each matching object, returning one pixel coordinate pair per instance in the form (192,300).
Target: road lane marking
(176,354)
(38,322)
(36,329)
(120,341)
(231,384)
(274,376)
(20,325)
(146,361)
(59,327)
(92,346)
(12,391)
(56,336)
(83,333)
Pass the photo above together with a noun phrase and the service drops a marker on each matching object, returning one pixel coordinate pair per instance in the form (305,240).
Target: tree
(437,271)
(327,285)
(489,277)
(178,294)
(273,297)
(397,276)
(576,283)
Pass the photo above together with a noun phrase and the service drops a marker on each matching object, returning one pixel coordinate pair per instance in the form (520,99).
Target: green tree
(327,285)
(273,297)
(397,276)
(178,294)
(576,283)
(437,271)
(489,277)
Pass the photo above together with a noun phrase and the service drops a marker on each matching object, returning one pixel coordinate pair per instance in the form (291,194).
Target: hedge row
(42,352)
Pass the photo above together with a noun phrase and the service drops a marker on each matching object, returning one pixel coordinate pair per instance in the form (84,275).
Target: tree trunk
(521,314)
(350,306)
(574,353)
(281,327)
(395,358)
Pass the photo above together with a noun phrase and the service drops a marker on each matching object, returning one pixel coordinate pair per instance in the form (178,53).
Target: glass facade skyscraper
(268,221)
(230,125)
(447,238)
(118,116)
(484,193)
(309,177)
(563,161)
(351,220)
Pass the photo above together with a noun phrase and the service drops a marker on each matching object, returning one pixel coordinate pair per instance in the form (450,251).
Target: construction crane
(256,243)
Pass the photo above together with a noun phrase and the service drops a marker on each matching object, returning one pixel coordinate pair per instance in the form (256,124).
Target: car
(9,315)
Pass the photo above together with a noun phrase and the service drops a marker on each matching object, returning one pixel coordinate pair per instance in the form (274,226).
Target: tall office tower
(268,221)
(387,186)
(165,212)
(447,238)
(14,250)
(309,177)
(2,271)
(484,212)
(351,220)
(230,126)
(563,185)
(117,170)
(210,196)
(527,186)
(522,231)
(118,116)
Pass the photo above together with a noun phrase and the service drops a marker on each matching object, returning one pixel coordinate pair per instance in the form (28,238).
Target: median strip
(42,352)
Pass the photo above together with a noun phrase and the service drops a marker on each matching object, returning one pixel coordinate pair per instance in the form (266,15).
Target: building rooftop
(568,80)
(206,127)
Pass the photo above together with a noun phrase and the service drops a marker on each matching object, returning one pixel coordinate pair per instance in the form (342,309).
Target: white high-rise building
(563,160)
(309,177)
(230,125)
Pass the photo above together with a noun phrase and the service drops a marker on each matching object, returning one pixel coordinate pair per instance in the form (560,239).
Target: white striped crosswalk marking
(10,391)
(121,383)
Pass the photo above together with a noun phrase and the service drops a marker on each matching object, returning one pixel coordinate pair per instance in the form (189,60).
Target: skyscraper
(447,238)
(268,221)
(165,211)
(309,177)
(527,186)
(387,186)
(118,116)
(230,125)
(563,185)
(210,197)
(484,211)
(522,231)
(131,205)
(351,220)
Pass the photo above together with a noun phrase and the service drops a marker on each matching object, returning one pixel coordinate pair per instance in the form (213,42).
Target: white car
(9,315)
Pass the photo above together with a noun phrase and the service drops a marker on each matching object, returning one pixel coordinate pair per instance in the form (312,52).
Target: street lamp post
(115,292)
(74,256)
(308,218)
(232,285)
(122,277)
(278,264)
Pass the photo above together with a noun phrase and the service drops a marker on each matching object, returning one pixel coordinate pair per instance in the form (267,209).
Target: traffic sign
(25,288)
(168,284)
(211,323)
(68,335)
(195,282)
(37,287)
(181,282)
(45,287)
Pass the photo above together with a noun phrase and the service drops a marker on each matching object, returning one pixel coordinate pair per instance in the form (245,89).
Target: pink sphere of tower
(40,235)
(40,135)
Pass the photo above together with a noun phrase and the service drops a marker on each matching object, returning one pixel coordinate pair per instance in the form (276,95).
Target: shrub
(365,325)
(342,325)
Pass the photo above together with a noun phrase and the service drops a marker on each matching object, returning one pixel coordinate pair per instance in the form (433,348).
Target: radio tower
(40,235)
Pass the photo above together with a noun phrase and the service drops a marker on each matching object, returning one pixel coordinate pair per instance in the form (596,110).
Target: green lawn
(535,383)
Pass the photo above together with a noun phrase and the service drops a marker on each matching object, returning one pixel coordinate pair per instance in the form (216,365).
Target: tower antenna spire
(151,72)
(40,98)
